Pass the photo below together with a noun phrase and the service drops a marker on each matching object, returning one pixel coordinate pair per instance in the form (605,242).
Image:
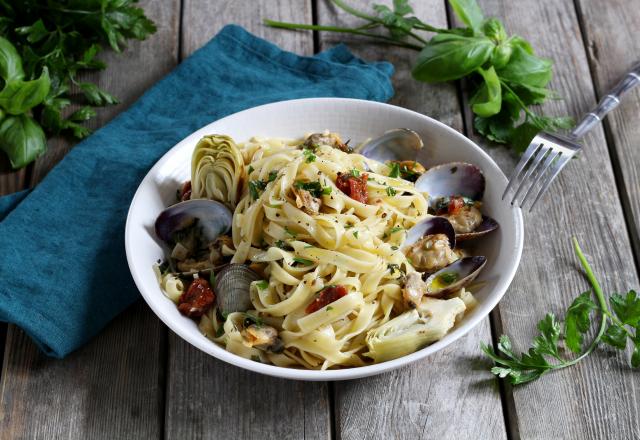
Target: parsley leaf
(315,188)
(391,191)
(303,261)
(262,284)
(309,156)
(395,169)
(577,321)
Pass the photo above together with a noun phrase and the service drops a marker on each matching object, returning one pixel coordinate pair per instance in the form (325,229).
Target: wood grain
(112,388)
(207,398)
(610,33)
(599,397)
(449,394)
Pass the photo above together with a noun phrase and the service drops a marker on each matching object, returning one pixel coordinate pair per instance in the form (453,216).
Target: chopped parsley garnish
(395,170)
(250,169)
(262,285)
(329,308)
(348,225)
(255,187)
(355,234)
(396,229)
(326,190)
(442,204)
(355,173)
(290,232)
(283,245)
(391,191)
(250,319)
(309,156)
(408,174)
(303,261)
(220,331)
(314,188)
(393,267)
(447,278)
(395,248)
(272,175)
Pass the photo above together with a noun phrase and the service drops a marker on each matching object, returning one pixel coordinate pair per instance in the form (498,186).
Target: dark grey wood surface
(114,389)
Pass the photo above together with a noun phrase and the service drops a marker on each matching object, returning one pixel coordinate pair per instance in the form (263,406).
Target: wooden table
(138,380)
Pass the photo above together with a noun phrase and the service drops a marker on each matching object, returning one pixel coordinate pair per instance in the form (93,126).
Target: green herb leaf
(20,96)
(10,62)
(272,175)
(447,57)
(526,68)
(627,308)
(391,191)
(395,170)
(615,336)
(469,12)
(96,96)
(488,99)
(22,139)
(315,188)
(262,285)
(303,261)
(250,170)
(329,308)
(577,321)
(355,234)
(309,156)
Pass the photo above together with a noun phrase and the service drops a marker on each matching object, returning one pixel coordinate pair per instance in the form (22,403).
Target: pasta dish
(304,253)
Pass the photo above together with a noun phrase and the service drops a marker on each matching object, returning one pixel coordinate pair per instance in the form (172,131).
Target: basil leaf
(522,135)
(469,12)
(10,61)
(447,57)
(527,69)
(518,41)
(19,96)
(22,139)
(494,29)
(488,99)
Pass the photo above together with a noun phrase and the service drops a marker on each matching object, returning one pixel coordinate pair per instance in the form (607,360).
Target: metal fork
(548,153)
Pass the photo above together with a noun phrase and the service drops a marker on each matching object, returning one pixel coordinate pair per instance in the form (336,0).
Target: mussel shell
(465,270)
(452,179)
(488,224)
(213,217)
(431,226)
(397,144)
(232,288)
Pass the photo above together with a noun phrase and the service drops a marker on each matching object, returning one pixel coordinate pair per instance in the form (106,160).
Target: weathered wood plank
(599,397)
(610,32)
(113,387)
(447,394)
(207,398)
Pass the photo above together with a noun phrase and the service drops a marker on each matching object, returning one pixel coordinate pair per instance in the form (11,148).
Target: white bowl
(353,119)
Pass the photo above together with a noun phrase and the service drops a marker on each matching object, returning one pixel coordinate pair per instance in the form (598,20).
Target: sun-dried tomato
(185,192)
(197,299)
(353,186)
(327,296)
(455,204)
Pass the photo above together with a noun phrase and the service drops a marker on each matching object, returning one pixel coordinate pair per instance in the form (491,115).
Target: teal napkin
(62,261)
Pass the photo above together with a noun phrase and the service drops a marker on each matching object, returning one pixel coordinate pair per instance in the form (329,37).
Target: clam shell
(232,288)
(396,144)
(463,271)
(430,226)
(452,179)
(488,224)
(213,217)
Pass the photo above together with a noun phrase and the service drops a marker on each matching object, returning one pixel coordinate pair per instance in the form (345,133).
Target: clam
(430,243)
(399,144)
(455,276)
(232,288)
(213,219)
(464,183)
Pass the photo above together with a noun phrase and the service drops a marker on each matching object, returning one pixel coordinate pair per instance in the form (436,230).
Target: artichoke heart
(410,331)
(217,170)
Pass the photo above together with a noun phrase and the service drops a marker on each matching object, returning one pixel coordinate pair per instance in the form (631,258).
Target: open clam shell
(452,179)
(488,224)
(431,226)
(213,218)
(455,276)
(394,145)
(232,288)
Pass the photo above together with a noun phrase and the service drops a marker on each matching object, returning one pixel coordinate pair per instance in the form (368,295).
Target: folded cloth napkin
(62,261)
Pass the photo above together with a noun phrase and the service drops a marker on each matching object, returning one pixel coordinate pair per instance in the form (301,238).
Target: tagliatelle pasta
(324,229)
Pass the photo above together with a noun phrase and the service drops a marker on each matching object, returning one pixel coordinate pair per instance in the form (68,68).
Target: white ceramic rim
(213,349)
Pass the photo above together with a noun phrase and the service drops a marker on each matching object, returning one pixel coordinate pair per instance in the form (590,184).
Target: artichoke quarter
(217,170)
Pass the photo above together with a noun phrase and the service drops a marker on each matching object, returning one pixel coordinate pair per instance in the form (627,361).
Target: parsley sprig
(505,76)
(44,46)
(618,325)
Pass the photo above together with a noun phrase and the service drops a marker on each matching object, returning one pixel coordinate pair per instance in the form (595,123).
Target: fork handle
(607,103)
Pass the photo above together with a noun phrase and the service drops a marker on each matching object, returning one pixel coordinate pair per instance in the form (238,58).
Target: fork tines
(540,164)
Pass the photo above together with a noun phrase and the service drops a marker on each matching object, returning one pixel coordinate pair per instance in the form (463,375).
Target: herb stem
(355,12)
(314,27)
